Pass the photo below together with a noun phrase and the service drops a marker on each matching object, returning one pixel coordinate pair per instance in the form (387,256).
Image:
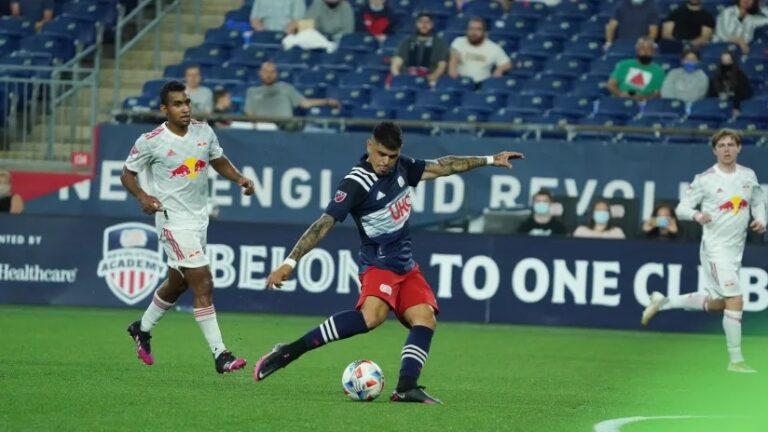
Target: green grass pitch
(75,369)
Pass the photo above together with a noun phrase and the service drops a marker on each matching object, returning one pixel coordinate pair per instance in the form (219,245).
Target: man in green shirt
(639,78)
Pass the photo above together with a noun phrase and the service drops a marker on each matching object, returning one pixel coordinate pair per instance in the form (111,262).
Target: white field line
(614,425)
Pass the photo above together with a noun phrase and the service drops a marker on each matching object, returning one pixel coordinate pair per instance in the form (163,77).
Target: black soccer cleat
(270,362)
(416,394)
(226,362)
(143,349)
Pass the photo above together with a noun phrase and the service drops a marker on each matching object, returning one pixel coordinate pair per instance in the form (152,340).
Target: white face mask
(5,189)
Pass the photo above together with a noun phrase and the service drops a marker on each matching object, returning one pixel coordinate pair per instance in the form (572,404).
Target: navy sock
(414,356)
(340,326)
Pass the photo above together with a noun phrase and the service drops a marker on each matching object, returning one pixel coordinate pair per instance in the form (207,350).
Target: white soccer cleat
(740,367)
(657,300)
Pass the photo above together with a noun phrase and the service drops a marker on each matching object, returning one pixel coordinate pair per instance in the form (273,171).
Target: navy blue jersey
(381,207)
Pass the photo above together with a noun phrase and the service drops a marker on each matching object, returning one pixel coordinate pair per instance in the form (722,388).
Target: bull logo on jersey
(132,264)
(400,208)
(190,169)
(734,205)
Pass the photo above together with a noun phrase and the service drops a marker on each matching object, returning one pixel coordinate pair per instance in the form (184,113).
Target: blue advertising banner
(109,262)
(296,174)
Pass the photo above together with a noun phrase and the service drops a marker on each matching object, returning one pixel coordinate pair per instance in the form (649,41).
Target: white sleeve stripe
(362,176)
(369,174)
(362,183)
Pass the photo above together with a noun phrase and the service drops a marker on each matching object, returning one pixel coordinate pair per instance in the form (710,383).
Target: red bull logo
(189,169)
(734,205)
(401,208)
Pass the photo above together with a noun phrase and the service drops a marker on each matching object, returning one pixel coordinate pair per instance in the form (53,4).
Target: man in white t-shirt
(477,57)
(176,156)
(728,194)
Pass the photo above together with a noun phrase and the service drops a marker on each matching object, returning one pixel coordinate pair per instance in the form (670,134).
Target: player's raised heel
(417,395)
(270,362)
(657,301)
(226,362)
(740,367)
(143,348)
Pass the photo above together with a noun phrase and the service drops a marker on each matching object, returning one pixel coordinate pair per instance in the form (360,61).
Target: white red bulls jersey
(729,198)
(177,169)
(381,206)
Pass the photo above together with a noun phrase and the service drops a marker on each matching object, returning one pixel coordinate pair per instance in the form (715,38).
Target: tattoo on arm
(448,165)
(312,236)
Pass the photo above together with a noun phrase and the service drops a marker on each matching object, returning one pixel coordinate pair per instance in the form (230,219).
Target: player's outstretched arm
(306,243)
(224,167)
(149,204)
(448,165)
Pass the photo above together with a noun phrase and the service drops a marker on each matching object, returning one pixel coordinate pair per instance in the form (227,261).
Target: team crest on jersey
(400,181)
(340,196)
(132,262)
(134,151)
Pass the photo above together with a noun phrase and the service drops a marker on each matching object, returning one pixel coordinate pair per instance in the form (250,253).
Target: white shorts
(184,247)
(721,278)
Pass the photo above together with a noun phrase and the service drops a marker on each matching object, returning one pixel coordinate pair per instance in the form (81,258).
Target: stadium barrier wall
(108,262)
(296,174)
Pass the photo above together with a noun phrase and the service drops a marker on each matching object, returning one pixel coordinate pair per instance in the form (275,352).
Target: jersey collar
(173,134)
(368,167)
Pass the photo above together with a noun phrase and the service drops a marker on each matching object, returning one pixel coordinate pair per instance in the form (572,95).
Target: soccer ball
(362,380)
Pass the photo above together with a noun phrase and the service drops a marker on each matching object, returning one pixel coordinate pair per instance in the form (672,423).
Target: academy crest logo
(132,262)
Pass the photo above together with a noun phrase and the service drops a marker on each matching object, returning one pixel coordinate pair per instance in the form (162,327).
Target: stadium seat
(319,78)
(508,44)
(437,7)
(222,36)
(708,127)
(206,55)
(594,27)
(417,113)
(711,109)
(93,12)
(391,44)
(574,10)
(754,110)
(567,67)
(501,84)
(528,104)
(540,46)
(361,42)
(507,117)
(350,96)
(457,23)
(325,111)
(26,58)
(366,112)
(485,103)
(482,9)
(713,50)
(296,57)
(748,125)
(267,39)
(590,85)
(152,88)
(8,44)
(16,27)
(584,47)
(408,82)
(343,61)
(756,68)
(59,49)
(375,62)
(513,26)
(572,106)
(460,114)
(310,91)
(251,55)
(557,27)
(534,10)
(547,85)
(603,66)
(460,84)
(362,79)
(618,108)
(664,108)
(437,100)
(142,103)
(525,66)
(232,71)
(68,28)
(243,14)
(622,48)
(391,99)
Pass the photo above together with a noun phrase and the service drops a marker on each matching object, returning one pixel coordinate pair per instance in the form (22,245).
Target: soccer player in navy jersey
(377,193)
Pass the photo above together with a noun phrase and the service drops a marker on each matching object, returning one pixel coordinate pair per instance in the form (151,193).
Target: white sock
(732,327)
(693,301)
(206,319)
(156,309)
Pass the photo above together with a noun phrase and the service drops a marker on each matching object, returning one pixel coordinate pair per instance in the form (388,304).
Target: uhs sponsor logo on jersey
(132,264)
(401,208)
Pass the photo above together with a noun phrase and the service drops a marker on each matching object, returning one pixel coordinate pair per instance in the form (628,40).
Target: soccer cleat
(416,394)
(143,349)
(227,362)
(740,367)
(270,362)
(657,301)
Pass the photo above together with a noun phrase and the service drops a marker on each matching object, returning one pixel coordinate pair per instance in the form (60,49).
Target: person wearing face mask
(332,18)
(542,223)
(737,23)
(600,225)
(730,82)
(422,54)
(9,201)
(475,56)
(639,78)
(687,83)
(632,20)
(662,225)
(688,24)
(378,19)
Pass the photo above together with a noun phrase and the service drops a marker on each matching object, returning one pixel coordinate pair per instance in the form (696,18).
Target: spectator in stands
(475,56)
(632,20)
(737,23)
(277,15)
(422,54)
(541,222)
(222,104)
(278,99)
(39,11)
(332,18)
(9,201)
(689,24)
(687,83)
(505,4)
(378,19)
(663,223)
(202,97)
(639,78)
(730,82)
(600,225)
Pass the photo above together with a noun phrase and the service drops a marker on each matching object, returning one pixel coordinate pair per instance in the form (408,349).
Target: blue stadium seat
(443,8)
(233,71)
(325,111)
(251,55)
(460,84)
(460,114)
(574,10)
(756,68)
(572,106)
(104,13)
(584,47)
(350,96)
(534,10)
(506,116)
(487,10)
(528,104)
(362,79)
(557,27)
(594,27)
(391,99)
(366,112)
(748,125)
(437,100)
(296,57)
(508,44)
(417,113)
(25,58)
(361,42)
(319,78)
(390,45)
(502,84)
(596,136)
(591,85)
(177,70)
(603,66)
(664,108)
(267,39)
(621,109)
(408,82)
(457,23)
(142,103)
(152,88)
(567,67)
(59,49)
(711,109)
(713,50)
(622,48)
(71,29)
(754,110)
(243,14)
(486,103)
(540,46)
(375,61)
(206,55)
(223,36)
(311,91)
(513,26)
(16,27)
(525,66)
(8,44)
(701,125)
(340,60)
(547,85)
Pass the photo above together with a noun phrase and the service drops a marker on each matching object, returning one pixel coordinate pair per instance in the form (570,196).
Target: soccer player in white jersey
(176,156)
(728,194)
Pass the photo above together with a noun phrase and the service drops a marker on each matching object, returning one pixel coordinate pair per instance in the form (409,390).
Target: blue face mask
(601,217)
(691,67)
(541,208)
(662,222)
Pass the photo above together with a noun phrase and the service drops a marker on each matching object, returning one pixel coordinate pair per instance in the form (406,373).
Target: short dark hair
(691,51)
(423,14)
(480,20)
(389,135)
(220,93)
(193,66)
(544,192)
(170,86)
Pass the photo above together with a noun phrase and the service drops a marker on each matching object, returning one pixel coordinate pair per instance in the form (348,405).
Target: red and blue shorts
(399,291)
